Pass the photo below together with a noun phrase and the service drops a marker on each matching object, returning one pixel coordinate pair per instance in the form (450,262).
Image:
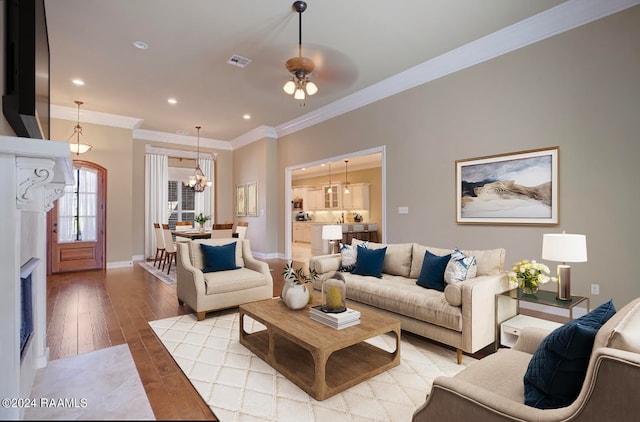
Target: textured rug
(100,385)
(239,386)
(162,275)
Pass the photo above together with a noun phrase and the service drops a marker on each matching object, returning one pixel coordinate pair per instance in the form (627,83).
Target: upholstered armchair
(205,284)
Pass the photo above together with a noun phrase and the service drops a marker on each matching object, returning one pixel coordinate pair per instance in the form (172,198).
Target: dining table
(195,234)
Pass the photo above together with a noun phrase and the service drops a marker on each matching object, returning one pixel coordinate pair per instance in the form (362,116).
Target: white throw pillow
(349,254)
(460,267)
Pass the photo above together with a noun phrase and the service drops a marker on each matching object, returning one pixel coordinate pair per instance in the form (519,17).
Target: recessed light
(141,45)
(182,132)
(246,116)
(172,101)
(78,82)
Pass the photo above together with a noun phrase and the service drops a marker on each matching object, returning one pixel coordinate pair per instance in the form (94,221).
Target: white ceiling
(354,44)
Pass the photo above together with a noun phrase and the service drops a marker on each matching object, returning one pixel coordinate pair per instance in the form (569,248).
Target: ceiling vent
(238,61)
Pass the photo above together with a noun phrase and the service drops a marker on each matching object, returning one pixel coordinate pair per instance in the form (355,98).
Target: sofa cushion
(432,273)
(488,262)
(219,258)
(401,295)
(397,259)
(369,261)
(348,256)
(233,281)
(195,252)
(460,267)
(558,367)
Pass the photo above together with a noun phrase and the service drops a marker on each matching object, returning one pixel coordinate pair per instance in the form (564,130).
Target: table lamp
(564,248)
(332,232)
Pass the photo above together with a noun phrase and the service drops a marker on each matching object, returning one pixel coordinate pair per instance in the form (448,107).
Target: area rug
(100,385)
(239,386)
(162,275)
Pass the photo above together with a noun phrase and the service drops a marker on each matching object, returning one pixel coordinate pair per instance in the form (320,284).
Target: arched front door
(77,223)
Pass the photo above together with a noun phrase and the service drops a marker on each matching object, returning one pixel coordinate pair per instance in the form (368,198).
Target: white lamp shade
(563,247)
(289,87)
(332,232)
(311,88)
(79,148)
(299,94)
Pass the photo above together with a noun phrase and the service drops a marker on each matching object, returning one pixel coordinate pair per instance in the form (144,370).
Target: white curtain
(204,200)
(156,198)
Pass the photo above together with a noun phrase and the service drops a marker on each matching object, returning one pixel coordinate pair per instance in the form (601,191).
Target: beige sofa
(462,316)
(206,292)
(492,389)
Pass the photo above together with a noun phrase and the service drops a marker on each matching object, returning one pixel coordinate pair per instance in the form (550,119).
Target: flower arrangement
(201,218)
(528,275)
(298,276)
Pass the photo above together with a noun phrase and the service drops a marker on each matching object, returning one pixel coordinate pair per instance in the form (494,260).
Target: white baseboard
(119,264)
(137,258)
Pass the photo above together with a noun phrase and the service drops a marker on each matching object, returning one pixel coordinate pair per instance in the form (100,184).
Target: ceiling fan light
(311,88)
(289,87)
(299,94)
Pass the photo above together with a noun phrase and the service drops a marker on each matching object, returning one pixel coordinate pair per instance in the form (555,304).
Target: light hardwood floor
(92,310)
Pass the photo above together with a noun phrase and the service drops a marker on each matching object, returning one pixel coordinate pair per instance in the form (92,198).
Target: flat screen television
(25,102)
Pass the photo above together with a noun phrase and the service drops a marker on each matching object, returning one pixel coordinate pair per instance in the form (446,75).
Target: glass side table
(542,298)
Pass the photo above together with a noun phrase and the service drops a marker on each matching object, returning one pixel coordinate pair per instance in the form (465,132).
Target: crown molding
(173,138)
(94,117)
(254,135)
(179,153)
(554,21)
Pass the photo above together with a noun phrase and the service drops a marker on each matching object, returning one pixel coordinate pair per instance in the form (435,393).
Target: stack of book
(341,320)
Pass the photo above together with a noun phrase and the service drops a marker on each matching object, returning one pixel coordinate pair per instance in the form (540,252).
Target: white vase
(296,296)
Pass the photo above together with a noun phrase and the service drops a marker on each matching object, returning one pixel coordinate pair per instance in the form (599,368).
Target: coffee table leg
(320,369)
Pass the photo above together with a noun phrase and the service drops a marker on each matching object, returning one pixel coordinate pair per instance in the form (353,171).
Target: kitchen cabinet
(357,198)
(302,232)
(301,193)
(316,199)
(332,197)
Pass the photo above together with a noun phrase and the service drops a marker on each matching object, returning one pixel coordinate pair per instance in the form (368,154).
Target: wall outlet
(403,210)
(595,289)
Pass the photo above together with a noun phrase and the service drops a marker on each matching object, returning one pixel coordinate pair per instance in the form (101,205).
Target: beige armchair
(206,292)
(492,389)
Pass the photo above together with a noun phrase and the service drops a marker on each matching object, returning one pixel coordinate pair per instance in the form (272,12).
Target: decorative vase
(530,290)
(296,296)
(201,227)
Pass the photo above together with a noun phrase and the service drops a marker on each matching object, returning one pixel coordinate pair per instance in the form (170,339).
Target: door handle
(55,231)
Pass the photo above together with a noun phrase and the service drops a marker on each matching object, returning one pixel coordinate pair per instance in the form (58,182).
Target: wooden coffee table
(319,359)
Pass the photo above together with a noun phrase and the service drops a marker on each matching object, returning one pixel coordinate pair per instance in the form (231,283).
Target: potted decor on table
(295,293)
(528,275)
(201,219)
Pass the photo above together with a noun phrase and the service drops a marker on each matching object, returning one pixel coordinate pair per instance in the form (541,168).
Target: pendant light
(78,147)
(329,190)
(198,181)
(300,67)
(346,177)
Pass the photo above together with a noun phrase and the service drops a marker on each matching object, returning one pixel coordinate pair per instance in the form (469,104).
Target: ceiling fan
(300,67)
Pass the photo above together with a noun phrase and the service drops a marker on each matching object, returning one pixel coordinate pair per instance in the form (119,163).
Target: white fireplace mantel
(33,174)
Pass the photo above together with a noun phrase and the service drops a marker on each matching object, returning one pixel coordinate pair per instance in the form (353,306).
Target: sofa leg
(201,315)
(459,353)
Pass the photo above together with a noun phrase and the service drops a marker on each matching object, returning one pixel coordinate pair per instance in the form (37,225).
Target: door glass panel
(77,209)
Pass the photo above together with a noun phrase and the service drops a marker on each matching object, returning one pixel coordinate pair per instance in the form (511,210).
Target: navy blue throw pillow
(432,271)
(369,261)
(557,369)
(219,258)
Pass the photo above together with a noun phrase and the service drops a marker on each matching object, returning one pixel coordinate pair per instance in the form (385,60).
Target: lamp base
(564,282)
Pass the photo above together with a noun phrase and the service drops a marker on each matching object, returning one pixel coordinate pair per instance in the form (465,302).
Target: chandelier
(198,181)
(346,177)
(300,67)
(78,147)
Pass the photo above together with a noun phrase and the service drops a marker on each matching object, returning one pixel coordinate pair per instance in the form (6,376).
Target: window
(181,203)
(77,209)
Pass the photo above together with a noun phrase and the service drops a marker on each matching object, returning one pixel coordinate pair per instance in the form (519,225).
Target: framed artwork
(241,204)
(514,188)
(252,199)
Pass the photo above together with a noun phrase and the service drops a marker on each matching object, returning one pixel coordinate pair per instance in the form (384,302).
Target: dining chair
(241,229)
(159,244)
(169,246)
(183,225)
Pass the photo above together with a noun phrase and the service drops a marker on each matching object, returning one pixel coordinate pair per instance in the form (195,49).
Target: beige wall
(256,162)
(578,90)
(112,150)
